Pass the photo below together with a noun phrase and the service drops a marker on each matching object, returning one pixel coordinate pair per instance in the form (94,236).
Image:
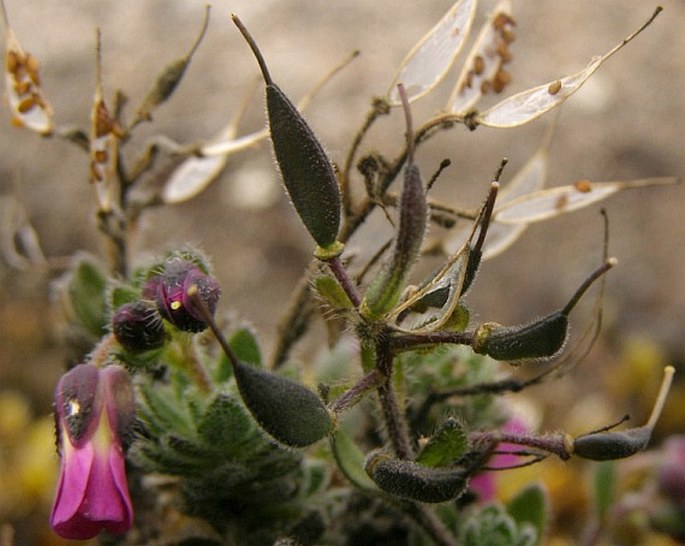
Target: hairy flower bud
(138,327)
(169,290)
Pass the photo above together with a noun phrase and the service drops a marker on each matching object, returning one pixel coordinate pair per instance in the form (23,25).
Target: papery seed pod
(138,327)
(409,480)
(288,411)
(305,168)
(539,339)
(605,446)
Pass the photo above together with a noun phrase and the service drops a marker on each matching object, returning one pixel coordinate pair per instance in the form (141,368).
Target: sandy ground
(626,123)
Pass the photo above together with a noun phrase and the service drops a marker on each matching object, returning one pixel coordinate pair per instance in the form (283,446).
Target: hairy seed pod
(540,339)
(384,293)
(288,411)
(409,480)
(305,168)
(604,446)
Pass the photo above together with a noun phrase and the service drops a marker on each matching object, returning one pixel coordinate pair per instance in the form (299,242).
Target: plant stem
(394,420)
(350,397)
(344,279)
(431,524)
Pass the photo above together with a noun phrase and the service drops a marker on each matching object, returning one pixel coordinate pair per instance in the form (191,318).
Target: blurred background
(625,123)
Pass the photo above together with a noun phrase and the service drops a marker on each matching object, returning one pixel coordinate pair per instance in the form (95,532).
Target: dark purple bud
(170,292)
(138,327)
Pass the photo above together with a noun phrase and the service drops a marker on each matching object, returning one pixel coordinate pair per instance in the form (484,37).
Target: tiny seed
(101,156)
(485,87)
(504,53)
(27,105)
(21,88)
(32,63)
(12,61)
(507,35)
(554,87)
(469,79)
(103,124)
(478,65)
(502,19)
(95,173)
(583,186)
(502,78)
(32,67)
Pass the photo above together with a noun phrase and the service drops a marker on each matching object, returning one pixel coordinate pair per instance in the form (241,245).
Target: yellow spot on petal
(175,305)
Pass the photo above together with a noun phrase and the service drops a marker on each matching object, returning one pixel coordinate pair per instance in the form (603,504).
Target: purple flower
(170,291)
(94,414)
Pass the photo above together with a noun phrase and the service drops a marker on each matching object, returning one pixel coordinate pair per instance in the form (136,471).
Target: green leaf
(120,294)
(604,487)
(350,460)
(165,409)
(531,505)
(445,446)
(225,423)
(288,411)
(316,477)
(332,293)
(246,347)
(87,295)
(494,527)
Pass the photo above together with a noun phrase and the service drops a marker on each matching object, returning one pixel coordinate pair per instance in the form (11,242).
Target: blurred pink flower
(484,485)
(92,493)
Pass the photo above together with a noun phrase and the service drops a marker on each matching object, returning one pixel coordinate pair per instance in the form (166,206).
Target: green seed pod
(306,170)
(288,411)
(604,446)
(384,293)
(409,480)
(540,339)
(167,81)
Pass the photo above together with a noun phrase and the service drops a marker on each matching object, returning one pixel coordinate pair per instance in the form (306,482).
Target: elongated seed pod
(409,480)
(305,168)
(540,339)
(384,293)
(288,411)
(605,446)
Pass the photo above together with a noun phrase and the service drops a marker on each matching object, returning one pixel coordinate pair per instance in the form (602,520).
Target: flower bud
(94,415)
(169,290)
(138,327)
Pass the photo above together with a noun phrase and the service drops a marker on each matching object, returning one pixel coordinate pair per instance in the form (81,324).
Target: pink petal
(118,473)
(71,491)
